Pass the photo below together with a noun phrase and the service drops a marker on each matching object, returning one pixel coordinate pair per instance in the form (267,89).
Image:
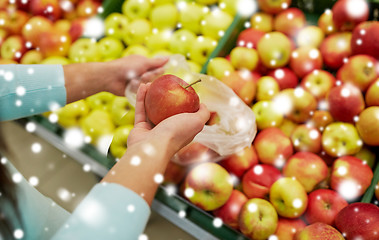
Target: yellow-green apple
(190,16)
(122,112)
(290,21)
(208,186)
(159,2)
(54,43)
(56,60)
(274,6)
(96,124)
(219,67)
(267,88)
(3,36)
(323,206)
(350,177)
(87,8)
(174,173)
(101,100)
(158,40)
(349,13)
(78,27)
(160,53)
(71,114)
(288,197)
(194,153)
(326,23)
(84,50)
(136,9)
(274,49)
(118,145)
(201,49)
(47,8)
(311,36)
(371,96)
(15,21)
(296,104)
(249,38)
(306,138)
(345,102)
(340,138)
(206,2)
(258,219)
(287,127)
(62,25)
(266,115)
(137,31)
(115,25)
(305,60)
(287,228)
(230,211)
(318,83)
(365,38)
(244,58)
(110,47)
(273,147)
(256,182)
(320,119)
(229,6)
(164,16)
(215,23)
(285,77)
(262,21)
(139,49)
(359,221)
(31,57)
(13,48)
(368,125)
(308,168)
(361,70)
(335,49)
(319,231)
(243,84)
(367,155)
(239,162)
(169,95)
(181,41)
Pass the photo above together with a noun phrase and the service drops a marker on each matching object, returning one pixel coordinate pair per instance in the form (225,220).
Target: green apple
(165,16)
(367,155)
(31,57)
(206,2)
(119,142)
(13,48)
(181,41)
(215,23)
(56,60)
(115,25)
(96,124)
(340,139)
(158,40)
(71,114)
(219,67)
(244,58)
(229,6)
(84,50)
(288,197)
(274,50)
(110,47)
(136,8)
(266,116)
(367,125)
(190,16)
(262,21)
(160,2)
(201,49)
(122,112)
(137,32)
(101,100)
(161,53)
(267,88)
(194,66)
(138,49)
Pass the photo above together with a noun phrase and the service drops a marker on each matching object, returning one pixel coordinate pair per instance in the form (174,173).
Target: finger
(158,62)
(151,75)
(203,113)
(140,115)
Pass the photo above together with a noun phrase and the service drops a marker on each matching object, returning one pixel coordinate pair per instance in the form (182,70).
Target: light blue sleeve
(110,211)
(30,89)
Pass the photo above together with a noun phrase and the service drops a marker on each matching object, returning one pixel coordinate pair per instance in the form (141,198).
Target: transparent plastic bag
(236,127)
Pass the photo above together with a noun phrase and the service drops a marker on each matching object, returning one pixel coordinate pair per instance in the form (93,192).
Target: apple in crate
(290,22)
(319,231)
(318,83)
(47,8)
(368,125)
(306,138)
(249,38)
(262,21)
(169,95)
(54,43)
(208,186)
(359,221)
(13,48)
(266,115)
(320,119)
(118,145)
(287,228)
(349,13)
(335,49)
(285,77)
(365,39)
(115,25)
(239,162)
(305,60)
(136,8)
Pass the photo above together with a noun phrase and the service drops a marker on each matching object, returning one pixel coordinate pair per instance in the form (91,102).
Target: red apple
(285,77)
(325,22)
(323,206)
(274,6)
(320,119)
(335,49)
(23,5)
(345,102)
(304,60)
(34,27)
(230,211)
(318,83)
(368,125)
(243,84)
(87,8)
(349,13)
(306,138)
(372,94)
(174,173)
(365,39)
(377,191)
(249,38)
(169,95)
(350,177)
(15,21)
(256,182)
(359,221)
(241,161)
(47,8)
(290,21)
(194,153)
(54,43)
(77,28)
(287,228)
(319,231)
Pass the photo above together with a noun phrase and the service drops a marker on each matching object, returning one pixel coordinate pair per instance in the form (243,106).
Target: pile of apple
(314,91)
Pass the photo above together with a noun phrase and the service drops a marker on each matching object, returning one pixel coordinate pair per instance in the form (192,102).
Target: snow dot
(18,103)
(30,127)
(345,92)
(258,170)
(4,160)
(135,161)
(36,147)
(33,180)
(297,203)
(314,53)
(252,207)
(16,177)
(273,237)
(18,233)
(189,192)
(279,73)
(8,76)
(149,149)
(158,178)
(314,134)
(131,208)
(143,237)
(74,137)
(20,91)
(86,167)
(217,222)
(64,194)
(170,189)
(53,118)
(233,101)
(182,214)
(349,189)
(359,41)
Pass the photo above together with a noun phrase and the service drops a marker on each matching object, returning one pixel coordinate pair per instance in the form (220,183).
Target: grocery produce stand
(173,207)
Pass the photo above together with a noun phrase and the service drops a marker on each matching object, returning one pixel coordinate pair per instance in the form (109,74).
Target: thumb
(157,62)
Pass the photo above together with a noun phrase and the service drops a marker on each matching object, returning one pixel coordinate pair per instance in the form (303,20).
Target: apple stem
(192,84)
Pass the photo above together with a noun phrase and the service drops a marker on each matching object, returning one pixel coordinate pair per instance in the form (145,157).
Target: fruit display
(311,79)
